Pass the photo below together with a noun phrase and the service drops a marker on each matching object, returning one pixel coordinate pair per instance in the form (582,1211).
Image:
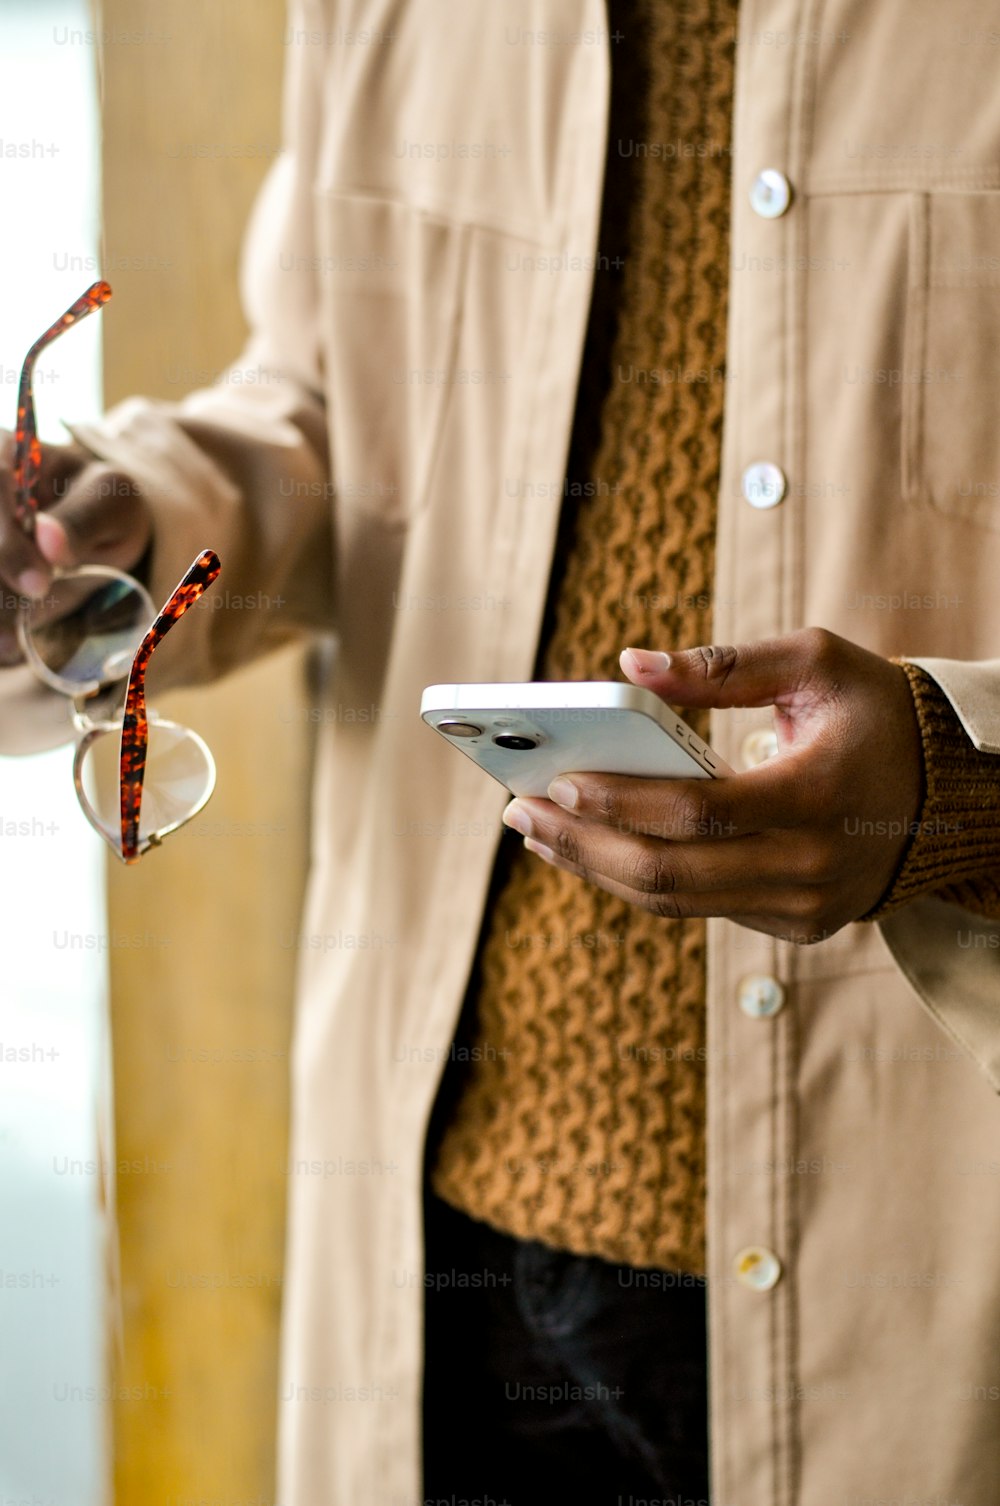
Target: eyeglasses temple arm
(135,728)
(27,450)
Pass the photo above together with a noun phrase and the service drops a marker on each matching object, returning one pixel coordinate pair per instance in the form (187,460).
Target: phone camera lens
(515,742)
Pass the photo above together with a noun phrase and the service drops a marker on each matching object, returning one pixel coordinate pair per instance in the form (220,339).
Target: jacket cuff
(955,847)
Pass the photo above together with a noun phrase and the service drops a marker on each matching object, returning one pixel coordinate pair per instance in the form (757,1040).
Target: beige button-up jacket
(390,463)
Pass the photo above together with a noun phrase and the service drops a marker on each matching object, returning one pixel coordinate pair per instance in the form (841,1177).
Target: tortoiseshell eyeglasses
(95,628)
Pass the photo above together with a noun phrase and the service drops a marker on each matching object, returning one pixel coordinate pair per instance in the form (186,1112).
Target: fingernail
(33,583)
(517,818)
(646,661)
(564,792)
(540,850)
(50,540)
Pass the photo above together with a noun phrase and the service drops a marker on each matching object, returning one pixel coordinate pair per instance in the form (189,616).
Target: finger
(781,917)
(649,865)
(783,793)
(22,567)
(24,564)
(97,517)
(10,652)
(771,672)
(103,519)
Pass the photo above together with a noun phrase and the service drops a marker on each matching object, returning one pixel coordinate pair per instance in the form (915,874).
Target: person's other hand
(796,847)
(88,514)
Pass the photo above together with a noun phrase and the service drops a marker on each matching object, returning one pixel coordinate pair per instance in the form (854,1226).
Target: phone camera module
(516,741)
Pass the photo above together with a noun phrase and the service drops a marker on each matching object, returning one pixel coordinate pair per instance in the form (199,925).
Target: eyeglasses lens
(85,631)
(178,780)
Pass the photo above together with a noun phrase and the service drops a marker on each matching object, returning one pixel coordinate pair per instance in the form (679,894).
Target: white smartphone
(524,735)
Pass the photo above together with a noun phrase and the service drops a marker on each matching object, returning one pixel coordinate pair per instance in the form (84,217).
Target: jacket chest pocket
(951,366)
(390,278)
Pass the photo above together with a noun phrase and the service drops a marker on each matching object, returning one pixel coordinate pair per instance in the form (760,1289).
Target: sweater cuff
(955,848)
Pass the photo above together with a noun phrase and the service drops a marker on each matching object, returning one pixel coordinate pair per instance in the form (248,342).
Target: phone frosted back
(526,734)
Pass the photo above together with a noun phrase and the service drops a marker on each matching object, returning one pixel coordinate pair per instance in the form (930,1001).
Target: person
(569,357)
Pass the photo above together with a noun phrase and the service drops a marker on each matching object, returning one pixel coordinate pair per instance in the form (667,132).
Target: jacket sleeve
(241,467)
(948,951)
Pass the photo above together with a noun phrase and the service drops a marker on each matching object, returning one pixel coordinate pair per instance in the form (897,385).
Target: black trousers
(556,1378)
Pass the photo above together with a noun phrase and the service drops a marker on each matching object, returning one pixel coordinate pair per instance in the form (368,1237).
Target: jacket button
(757,747)
(764,484)
(771,194)
(760,997)
(758,1268)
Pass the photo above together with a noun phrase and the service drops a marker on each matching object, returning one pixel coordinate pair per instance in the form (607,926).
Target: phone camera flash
(460,729)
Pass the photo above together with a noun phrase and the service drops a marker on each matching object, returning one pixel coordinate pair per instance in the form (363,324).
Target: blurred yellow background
(202,1012)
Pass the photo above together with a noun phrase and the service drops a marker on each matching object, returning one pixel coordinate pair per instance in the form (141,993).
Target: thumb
(102,518)
(771,672)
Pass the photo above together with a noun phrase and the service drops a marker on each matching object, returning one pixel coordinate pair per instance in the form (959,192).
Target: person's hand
(796,847)
(88,513)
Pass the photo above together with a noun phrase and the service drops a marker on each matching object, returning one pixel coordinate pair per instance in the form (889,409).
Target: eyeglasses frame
(134,726)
